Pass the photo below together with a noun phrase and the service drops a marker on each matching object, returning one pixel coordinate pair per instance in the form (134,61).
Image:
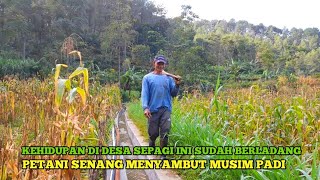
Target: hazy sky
(280,13)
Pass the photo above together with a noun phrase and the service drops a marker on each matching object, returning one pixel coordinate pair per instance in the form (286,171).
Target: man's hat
(160,58)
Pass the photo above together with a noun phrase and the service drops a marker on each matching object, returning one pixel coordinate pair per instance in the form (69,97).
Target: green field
(254,116)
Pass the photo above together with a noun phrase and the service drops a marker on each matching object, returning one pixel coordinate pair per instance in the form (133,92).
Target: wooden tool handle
(172,75)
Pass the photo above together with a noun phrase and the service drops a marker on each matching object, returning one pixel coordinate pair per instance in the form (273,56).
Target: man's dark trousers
(159,121)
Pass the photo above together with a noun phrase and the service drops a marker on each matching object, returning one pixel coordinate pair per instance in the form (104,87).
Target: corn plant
(52,113)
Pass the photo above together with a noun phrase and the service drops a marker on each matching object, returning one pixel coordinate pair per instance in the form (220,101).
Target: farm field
(255,116)
(70,70)
(34,113)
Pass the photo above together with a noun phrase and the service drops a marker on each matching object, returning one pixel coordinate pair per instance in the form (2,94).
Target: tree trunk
(125,49)
(24,49)
(119,65)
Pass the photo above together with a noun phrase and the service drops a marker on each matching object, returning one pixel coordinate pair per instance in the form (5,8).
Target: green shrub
(21,68)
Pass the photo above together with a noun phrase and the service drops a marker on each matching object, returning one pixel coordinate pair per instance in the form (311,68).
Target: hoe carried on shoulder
(177,77)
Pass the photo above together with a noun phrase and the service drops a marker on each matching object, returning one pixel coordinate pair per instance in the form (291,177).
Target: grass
(135,113)
(254,116)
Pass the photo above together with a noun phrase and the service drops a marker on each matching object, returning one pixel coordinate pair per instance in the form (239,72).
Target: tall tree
(119,35)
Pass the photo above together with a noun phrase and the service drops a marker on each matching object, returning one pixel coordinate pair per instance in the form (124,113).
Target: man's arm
(145,95)
(174,87)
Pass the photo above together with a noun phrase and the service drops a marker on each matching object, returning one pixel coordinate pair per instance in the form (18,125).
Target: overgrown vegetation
(254,116)
(22,68)
(270,79)
(115,34)
(40,113)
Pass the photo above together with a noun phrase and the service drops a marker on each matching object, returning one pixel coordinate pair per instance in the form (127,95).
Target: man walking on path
(156,96)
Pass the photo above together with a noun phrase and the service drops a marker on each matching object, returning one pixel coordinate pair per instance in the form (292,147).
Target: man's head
(160,58)
(159,63)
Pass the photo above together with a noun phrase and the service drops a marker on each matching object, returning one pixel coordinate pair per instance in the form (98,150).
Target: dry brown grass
(28,117)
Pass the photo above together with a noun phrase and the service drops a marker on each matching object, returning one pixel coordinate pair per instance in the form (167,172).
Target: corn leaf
(57,73)
(82,94)
(79,55)
(60,87)
(72,94)
(86,80)
(84,71)
(68,84)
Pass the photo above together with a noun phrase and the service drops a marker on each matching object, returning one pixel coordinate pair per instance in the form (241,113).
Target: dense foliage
(118,39)
(116,33)
(248,117)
